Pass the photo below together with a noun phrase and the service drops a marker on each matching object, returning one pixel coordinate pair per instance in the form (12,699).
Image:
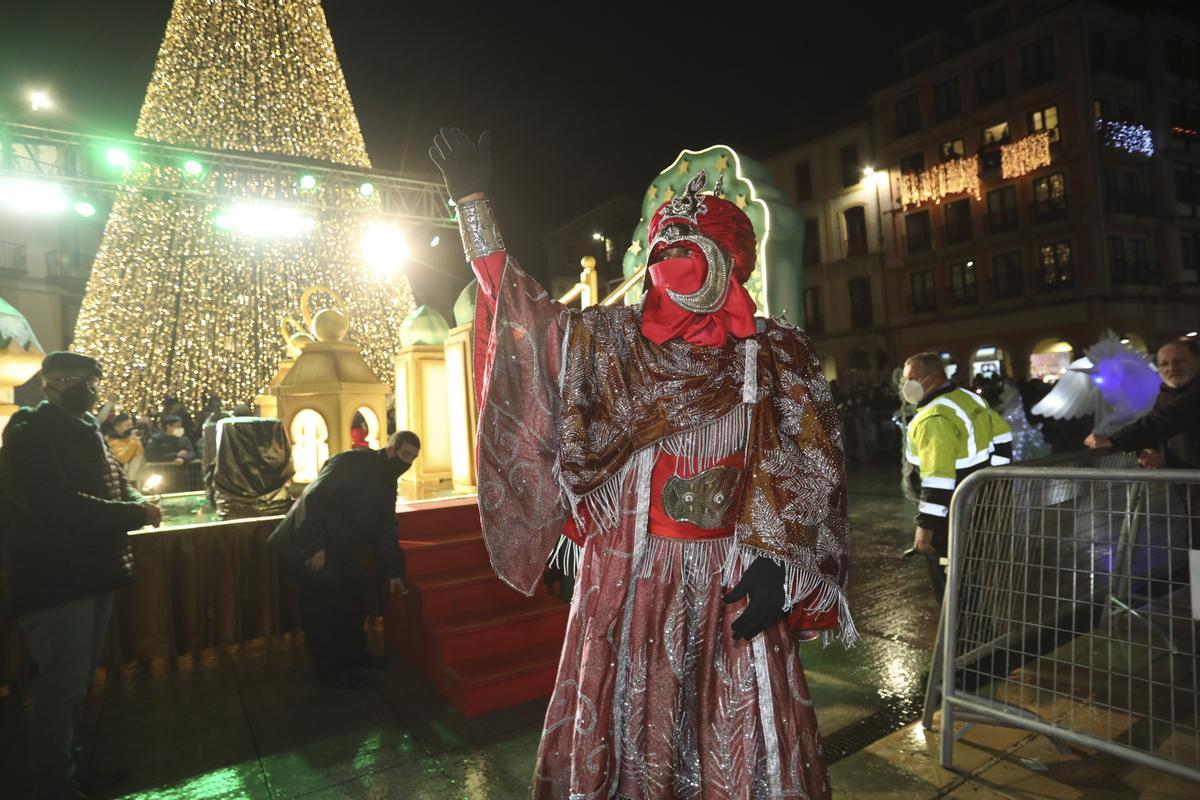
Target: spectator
(125,442)
(352,501)
(173,406)
(67,508)
(171,444)
(359,432)
(1169,434)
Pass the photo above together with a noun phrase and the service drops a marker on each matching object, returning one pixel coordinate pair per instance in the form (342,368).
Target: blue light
(1127,136)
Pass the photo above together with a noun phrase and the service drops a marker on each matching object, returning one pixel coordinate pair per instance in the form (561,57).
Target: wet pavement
(254,723)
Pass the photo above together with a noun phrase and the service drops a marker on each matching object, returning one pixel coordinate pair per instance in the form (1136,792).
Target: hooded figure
(686,458)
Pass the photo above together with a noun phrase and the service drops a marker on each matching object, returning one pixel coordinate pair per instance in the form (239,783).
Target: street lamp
(878,177)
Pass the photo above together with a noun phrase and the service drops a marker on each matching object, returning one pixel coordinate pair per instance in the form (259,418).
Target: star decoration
(683,166)
(653,192)
(636,247)
(722,163)
(741,201)
(668,194)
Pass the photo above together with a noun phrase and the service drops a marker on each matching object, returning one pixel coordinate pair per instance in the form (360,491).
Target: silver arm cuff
(480,233)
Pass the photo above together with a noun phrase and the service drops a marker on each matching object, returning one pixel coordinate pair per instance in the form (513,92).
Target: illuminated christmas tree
(203,258)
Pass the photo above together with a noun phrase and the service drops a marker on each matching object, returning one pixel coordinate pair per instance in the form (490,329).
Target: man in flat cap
(67,508)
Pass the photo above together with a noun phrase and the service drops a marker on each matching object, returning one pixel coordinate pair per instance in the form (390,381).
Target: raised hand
(466,166)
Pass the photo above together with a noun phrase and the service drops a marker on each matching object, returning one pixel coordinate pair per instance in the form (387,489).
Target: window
(851,169)
(955,148)
(861,314)
(1050,197)
(1134,269)
(908,115)
(803,176)
(1046,119)
(1189,246)
(1122,193)
(1139,251)
(946,100)
(1037,63)
(989,82)
(957,216)
(1187,191)
(1183,57)
(964,288)
(1006,275)
(812,242)
(922,291)
(991,139)
(1002,210)
(912,163)
(1057,269)
(916,230)
(856,230)
(814,320)
(1114,248)
(1101,108)
(1115,56)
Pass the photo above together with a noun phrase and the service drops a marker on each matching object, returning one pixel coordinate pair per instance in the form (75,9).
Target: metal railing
(1068,609)
(12,257)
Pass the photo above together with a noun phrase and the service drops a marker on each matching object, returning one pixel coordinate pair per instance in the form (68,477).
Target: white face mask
(912,391)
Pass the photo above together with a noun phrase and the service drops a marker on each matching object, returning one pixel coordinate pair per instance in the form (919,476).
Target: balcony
(905,125)
(1137,204)
(958,231)
(12,259)
(1011,286)
(1048,212)
(1001,221)
(66,267)
(964,296)
(918,242)
(1056,280)
(922,303)
(1135,273)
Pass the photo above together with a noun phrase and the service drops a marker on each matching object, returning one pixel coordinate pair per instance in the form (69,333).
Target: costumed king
(687,457)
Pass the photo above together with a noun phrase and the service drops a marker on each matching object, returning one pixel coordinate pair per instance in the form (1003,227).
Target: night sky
(584,102)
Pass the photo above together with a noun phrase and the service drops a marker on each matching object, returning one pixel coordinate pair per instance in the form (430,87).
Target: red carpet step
(483,645)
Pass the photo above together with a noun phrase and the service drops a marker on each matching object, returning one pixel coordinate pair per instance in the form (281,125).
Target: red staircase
(482,644)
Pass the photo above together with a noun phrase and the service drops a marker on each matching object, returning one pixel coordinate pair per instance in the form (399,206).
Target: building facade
(1031,267)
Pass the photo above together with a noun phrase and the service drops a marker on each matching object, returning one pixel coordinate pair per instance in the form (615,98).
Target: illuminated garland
(941,180)
(1127,136)
(1025,155)
(178,305)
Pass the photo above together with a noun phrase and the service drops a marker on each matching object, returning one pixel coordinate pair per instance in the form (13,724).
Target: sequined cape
(569,398)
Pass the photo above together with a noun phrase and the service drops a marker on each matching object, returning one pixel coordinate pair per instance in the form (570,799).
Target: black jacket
(1173,424)
(352,501)
(163,447)
(65,510)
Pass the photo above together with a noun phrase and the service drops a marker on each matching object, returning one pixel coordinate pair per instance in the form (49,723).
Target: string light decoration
(1025,155)
(179,305)
(1127,136)
(960,176)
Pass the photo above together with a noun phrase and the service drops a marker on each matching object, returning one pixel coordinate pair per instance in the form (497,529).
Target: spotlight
(40,101)
(85,209)
(1193,333)
(308,182)
(367,189)
(24,196)
(435,241)
(384,248)
(117,157)
(264,221)
(193,167)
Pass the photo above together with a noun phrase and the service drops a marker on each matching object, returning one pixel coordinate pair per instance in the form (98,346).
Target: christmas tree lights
(1025,155)
(178,304)
(1127,136)
(960,176)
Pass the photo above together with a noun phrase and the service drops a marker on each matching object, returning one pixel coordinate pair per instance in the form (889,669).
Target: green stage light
(308,182)
(85,209)
(117,157)
(193,167)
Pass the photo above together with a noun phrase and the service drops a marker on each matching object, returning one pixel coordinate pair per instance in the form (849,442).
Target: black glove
(764,581)
(465,165)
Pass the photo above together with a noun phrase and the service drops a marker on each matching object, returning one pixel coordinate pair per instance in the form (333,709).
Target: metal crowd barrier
(173,478)
(1069,611)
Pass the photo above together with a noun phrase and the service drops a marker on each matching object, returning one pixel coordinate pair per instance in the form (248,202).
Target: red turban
(726,224)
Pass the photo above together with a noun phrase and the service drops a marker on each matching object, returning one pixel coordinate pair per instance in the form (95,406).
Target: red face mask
(663,319)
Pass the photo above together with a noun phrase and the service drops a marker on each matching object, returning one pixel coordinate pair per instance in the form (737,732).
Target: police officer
(950,436)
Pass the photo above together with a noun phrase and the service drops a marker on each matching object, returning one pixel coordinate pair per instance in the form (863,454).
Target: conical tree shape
(178,304)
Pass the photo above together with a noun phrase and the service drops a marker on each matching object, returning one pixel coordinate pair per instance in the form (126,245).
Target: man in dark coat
(1169,434)
(351,502)
(66,510)
(171,444)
